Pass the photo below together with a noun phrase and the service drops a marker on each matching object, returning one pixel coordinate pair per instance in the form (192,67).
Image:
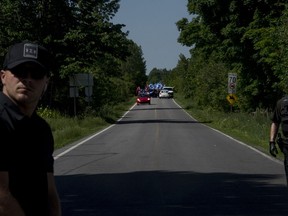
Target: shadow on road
(153,108)
(160,193)
(125,121)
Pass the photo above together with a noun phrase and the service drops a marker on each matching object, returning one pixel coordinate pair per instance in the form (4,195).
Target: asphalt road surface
(159,161)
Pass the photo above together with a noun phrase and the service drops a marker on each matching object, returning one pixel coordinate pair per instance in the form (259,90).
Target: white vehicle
(170,90)
(164,94)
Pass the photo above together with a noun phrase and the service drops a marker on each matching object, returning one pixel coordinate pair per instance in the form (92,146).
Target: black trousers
(285,152)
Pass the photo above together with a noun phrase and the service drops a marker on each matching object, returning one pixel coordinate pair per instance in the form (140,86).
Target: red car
(143,98)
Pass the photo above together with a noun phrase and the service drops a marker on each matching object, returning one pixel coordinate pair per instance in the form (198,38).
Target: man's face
(24,84)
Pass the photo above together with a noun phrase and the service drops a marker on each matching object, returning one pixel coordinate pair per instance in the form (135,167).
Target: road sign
(231,98)
(232,79)
(81,79)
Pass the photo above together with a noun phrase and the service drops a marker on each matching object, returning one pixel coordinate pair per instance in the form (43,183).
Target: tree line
(83,39)
(245,37)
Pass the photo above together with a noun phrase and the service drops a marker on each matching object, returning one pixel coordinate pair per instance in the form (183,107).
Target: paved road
(157,160)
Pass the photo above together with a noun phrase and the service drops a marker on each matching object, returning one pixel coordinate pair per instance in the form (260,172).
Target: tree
(134,67)
(78,33)
(239,35)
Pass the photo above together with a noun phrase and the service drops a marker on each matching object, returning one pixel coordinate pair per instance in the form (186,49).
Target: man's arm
(273,131)
(9,206)
(272,144)
(54,201)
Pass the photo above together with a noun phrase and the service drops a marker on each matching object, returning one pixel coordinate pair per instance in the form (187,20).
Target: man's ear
(2,74)
(45,87)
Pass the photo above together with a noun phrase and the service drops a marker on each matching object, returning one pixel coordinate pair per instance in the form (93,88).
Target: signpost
(81,80)
(232,98)
(232,81)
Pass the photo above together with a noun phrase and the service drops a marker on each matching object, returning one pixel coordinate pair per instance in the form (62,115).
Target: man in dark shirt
(280,119)
(27,185)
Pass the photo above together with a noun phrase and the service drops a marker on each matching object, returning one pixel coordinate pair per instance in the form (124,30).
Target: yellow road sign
(232,98)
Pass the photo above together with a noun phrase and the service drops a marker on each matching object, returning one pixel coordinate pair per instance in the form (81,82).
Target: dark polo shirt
(26,148)
(280,115)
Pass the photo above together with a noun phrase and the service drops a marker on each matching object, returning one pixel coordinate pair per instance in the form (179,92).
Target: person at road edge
(27,184)
(280,120)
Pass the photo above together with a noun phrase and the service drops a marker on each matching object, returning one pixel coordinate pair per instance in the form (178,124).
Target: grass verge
(67,130)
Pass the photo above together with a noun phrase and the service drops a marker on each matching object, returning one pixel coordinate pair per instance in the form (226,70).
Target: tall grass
(67,130)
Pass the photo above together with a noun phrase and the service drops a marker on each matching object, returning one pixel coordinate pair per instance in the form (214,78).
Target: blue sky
(152,25)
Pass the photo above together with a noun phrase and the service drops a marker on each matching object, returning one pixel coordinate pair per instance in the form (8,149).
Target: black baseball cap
(25,52)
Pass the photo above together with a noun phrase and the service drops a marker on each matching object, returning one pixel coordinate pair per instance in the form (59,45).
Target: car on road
(143,98)
(170,90)
(164,94)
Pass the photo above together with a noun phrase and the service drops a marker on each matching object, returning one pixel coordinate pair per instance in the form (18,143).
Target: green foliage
(134,67)
(244,37)
(92,42)
(163,76)
(280,54)
(241,36)
(45,112)
(69,129)
(83,39)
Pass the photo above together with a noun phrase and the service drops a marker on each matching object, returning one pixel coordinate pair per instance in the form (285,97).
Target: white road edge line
(82,142)
(244,144)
